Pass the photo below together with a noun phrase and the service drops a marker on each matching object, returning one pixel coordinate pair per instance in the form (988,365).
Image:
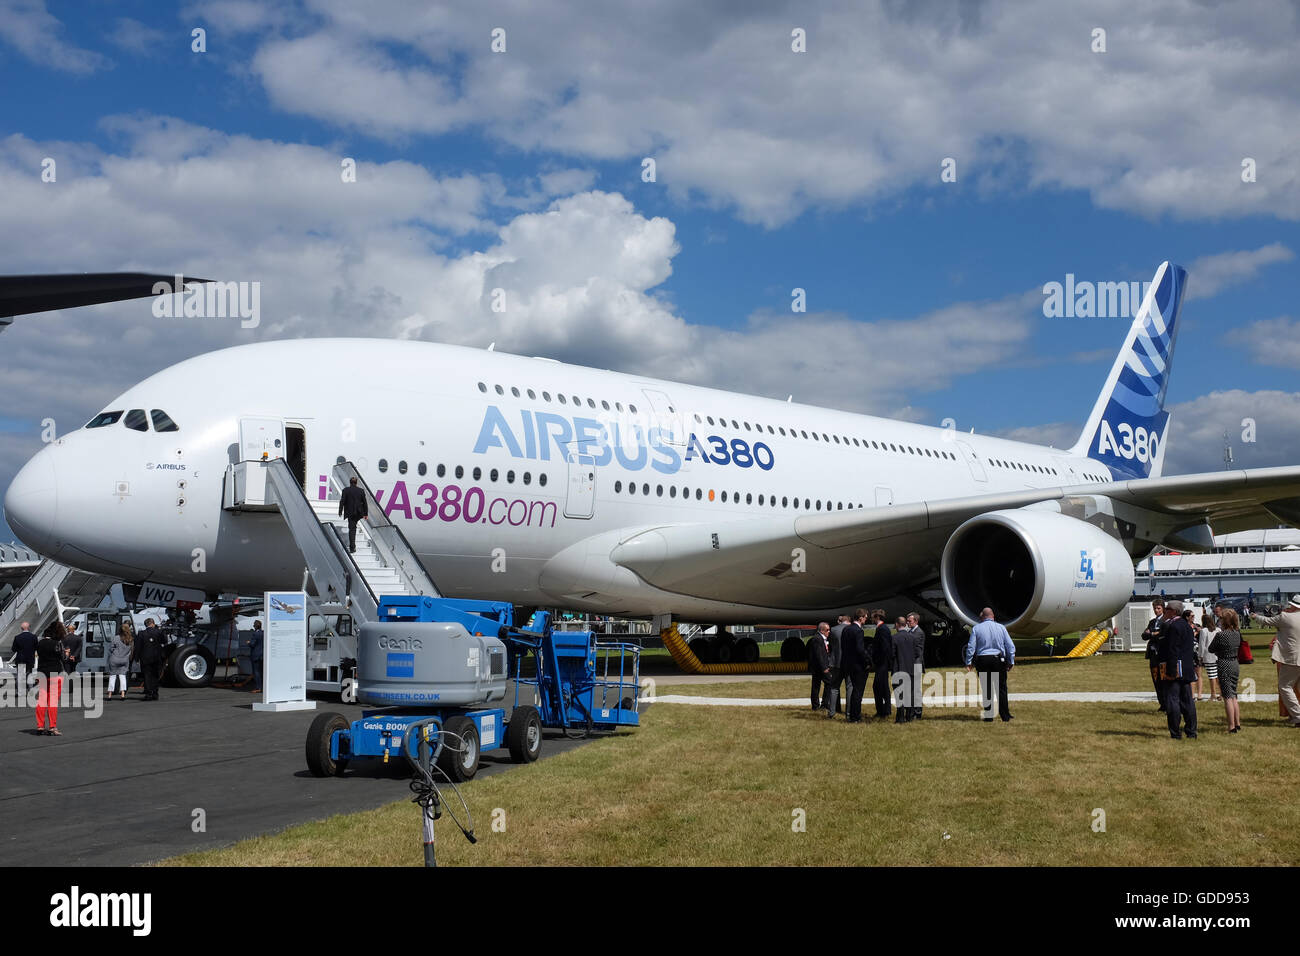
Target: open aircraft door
(261,439)
(580,499)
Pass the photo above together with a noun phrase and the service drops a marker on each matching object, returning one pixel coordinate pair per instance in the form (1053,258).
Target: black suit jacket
(1180,647)
(148,645)
(853,648)
(882,649)
(25,648)
(352,503)
(819,658)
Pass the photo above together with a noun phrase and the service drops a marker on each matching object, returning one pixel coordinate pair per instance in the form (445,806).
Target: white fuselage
(469,451)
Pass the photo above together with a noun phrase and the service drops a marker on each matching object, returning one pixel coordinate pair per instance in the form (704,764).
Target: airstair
(51,588)
(344,589)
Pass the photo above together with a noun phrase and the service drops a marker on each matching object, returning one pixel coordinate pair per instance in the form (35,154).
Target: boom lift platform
(438,665)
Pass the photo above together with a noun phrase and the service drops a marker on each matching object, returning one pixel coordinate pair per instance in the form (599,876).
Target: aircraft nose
(31,503)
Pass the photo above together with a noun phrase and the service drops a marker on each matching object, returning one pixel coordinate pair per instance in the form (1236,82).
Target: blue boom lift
(438,665)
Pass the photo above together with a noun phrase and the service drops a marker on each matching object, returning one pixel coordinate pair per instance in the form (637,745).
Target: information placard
(284,655)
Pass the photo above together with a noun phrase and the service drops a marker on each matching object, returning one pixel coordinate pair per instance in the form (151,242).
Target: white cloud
(1270,341)
(36,33)
(1196,436)
(136,37)
(1158,124)
(1209,275)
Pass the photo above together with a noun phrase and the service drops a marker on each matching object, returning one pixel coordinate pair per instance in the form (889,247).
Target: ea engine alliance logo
(1090,566)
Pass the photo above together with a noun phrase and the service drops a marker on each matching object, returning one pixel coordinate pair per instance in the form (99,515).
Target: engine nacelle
(1040,572)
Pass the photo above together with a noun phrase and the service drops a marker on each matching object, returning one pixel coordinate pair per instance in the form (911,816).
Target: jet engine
(1041,572)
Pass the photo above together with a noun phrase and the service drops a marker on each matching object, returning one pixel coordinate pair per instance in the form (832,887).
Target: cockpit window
(162,422)
(104,418)
(135,419)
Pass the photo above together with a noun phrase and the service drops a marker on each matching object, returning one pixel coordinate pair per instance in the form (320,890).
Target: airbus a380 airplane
(624,495)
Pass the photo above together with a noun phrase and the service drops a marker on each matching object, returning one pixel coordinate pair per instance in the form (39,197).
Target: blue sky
(776,170)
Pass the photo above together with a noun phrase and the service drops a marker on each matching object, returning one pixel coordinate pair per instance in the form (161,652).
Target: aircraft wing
(826,560)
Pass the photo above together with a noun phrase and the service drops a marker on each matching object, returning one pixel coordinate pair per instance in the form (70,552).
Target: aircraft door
(580,499)
(884,496)
(667,417)
(972,462)
(261,439)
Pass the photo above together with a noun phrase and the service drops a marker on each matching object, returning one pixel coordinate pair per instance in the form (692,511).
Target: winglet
(1128,424)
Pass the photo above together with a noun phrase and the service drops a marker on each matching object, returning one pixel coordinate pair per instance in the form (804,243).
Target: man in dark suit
(148,650)
(1152,635)
(906,678)
(882,661)
(352,505)
(853,659)
(1179,669)
(819,665)
(918,651)
(837,672)
(25,654)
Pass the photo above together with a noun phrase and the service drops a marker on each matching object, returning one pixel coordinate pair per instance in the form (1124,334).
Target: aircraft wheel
(747,650)
(191,666)
(793,650)
(702,649)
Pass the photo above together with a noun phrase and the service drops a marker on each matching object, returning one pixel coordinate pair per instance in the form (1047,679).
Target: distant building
(1263,564)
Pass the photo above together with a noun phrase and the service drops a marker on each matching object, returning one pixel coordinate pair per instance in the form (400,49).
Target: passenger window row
(1022,466)
(720,422)
(559,397)
(763,500)
(459,472)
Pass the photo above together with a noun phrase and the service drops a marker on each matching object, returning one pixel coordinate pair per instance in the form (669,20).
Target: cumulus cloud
(1209,275)
(1262,427)
(1270,341)
(135,37)
(37,34)
(1158,124)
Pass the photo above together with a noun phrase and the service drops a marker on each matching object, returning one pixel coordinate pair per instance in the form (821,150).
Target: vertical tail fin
(1128,425)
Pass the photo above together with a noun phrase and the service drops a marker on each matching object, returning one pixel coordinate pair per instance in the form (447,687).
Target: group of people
(54,656)
(1190,663)
(842,655)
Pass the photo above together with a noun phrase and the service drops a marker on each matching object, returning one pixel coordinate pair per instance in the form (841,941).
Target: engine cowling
(1040,572)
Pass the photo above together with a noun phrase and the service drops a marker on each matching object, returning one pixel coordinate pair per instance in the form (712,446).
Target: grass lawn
(724,786)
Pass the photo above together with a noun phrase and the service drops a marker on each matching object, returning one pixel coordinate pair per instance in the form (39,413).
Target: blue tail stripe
(1132,419)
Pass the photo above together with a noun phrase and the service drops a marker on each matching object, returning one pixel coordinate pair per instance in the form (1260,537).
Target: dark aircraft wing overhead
(898,546)
(23,295)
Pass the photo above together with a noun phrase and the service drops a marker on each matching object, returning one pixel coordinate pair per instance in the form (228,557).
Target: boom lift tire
(524,734)
(460,749)
(319,761)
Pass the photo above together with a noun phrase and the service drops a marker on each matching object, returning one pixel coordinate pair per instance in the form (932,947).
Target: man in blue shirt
(993,654)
